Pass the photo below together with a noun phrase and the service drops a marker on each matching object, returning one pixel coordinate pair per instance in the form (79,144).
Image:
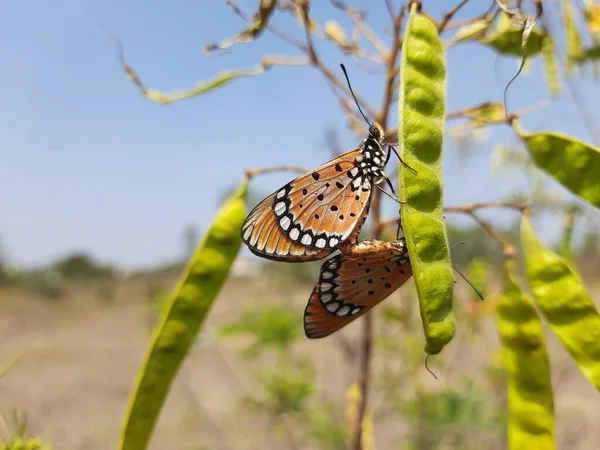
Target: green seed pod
(563,301)
(530,400)
(572,163)
(550,66)
(573,39)
(184,313)
(420,136)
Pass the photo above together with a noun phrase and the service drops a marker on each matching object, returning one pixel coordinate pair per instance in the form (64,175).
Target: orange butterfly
(351,284)
(313,215)
(308,218)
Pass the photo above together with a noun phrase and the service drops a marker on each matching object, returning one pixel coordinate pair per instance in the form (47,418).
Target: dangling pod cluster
(420,137)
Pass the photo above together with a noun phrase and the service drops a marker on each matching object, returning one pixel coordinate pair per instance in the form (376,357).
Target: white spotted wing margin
(263,237)
(351,284)
(323,208)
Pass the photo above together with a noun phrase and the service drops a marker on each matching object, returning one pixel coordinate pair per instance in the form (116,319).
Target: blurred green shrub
(450,418)
(81,265)
(271,326)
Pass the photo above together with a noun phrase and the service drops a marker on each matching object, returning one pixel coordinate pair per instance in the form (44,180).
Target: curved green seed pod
(550,66)
(420,137)
(530,401)
(572,163)
(185,311)
(563,301)
(573,39)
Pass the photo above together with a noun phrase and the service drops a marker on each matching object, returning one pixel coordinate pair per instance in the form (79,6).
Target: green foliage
(327,428)
(420,137)
(46,283)
(287,390)
(81,266)
(270,326)
(14,436)
(450,416)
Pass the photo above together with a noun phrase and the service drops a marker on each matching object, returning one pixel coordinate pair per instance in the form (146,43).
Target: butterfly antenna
(479,294)
(428,369)
(402,162)
(354,96)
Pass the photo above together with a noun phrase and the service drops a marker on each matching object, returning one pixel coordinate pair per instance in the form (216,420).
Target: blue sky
(86,163)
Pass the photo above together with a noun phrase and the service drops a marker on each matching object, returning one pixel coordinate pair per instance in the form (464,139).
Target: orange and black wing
(264,237)
(324,207)
(348,287)
(309,217)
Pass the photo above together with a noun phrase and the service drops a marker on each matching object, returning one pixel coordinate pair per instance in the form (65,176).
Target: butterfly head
(373,159)
(376,132)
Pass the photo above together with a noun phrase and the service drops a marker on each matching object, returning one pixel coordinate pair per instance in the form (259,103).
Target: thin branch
(472,207)
(390,10)
(367,331)
(358,18)
(316,61)
(448,16)
(391,74)
(280,34)
(464,209)
(366,344)
(488,14)
(506,246)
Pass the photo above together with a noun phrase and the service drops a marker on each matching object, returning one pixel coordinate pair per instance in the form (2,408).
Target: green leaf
(185,311)
(422,106)
(530,400)
(471,31)
(572,163)
(562,299)
(511,41)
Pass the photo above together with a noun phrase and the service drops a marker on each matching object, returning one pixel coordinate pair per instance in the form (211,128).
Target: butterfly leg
(400,159)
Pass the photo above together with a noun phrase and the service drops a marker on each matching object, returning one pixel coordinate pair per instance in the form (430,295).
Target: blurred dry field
(82,356)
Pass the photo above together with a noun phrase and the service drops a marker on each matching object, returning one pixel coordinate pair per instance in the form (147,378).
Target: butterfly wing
(263,236)
(309,217)
(324,207)
(348,287)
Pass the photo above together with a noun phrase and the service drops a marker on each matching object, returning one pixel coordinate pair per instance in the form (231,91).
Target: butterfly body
(351,284)
(320,211)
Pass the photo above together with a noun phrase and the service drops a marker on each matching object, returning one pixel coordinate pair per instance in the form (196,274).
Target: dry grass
(83,356)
